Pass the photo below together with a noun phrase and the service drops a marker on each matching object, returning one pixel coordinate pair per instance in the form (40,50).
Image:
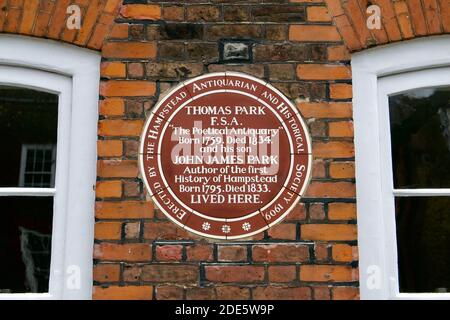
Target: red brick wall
(47,19)
(296,45)
(138,252)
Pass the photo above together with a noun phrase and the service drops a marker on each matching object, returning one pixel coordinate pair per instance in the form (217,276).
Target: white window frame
(72,73)
(378,73)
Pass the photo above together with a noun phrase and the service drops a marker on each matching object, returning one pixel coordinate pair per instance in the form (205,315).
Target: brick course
(47,19)
(401,20)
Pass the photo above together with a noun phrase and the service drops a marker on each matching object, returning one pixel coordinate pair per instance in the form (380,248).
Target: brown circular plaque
(225,155)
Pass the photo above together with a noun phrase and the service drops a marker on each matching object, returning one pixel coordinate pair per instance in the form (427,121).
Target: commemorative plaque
(225,155)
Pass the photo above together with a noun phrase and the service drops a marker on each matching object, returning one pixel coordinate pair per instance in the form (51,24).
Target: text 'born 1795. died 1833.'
(225,155)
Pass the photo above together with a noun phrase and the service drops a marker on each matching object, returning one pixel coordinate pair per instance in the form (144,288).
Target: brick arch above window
(400,20)
(47,19)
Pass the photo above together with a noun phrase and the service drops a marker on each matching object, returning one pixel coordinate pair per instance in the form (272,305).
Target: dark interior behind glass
(423,240)
(420,135)
(28,121)
(25,242)
(26,117)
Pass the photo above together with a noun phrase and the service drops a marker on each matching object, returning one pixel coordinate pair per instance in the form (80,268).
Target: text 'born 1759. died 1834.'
(225,155)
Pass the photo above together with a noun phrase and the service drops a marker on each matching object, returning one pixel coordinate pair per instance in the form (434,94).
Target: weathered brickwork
(401,20)
(295,46)
(302,47)
(47,19)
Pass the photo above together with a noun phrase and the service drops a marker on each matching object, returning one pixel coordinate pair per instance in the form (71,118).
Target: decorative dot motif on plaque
(206,226)
(226,228)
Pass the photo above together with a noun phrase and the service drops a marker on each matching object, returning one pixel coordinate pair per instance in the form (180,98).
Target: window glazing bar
(36,192)
(421,192)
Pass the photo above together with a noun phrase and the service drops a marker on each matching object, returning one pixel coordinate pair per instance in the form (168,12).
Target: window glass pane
(41,169)
(423,240)
(25,243)
(28,130)
(420,134)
